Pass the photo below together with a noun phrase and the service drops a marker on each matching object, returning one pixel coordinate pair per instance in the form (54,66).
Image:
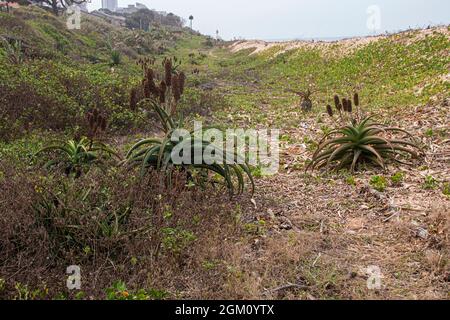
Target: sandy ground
(344,230)
(350,44)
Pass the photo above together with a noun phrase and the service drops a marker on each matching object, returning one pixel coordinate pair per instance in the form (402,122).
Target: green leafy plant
(116,58)
(75,157)
(430,183)
(119,291)
(429,133)
(157,153)
(13,49)
(446,189)
(397,178)
(358,139)
(350,180)
(176,239)
(114,55)
(379,183)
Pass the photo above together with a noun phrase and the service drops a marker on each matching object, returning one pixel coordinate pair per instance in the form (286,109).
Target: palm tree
(191,17)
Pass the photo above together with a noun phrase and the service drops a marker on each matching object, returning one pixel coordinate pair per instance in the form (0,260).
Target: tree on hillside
(56,4)
(140,19)
(143,18)
(173,20)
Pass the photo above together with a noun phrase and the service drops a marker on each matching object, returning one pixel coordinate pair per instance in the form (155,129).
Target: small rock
(422,233)
(271,214)
(285,224)
(208,86)
(356,224)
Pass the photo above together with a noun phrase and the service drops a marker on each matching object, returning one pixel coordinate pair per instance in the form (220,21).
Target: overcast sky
(291,19)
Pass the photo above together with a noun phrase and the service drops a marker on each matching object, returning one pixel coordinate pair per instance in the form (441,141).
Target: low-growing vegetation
(88,177)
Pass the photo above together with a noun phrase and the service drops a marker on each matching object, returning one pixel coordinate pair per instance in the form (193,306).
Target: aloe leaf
(374,152)
(142,143)
(339,150)
(356,156)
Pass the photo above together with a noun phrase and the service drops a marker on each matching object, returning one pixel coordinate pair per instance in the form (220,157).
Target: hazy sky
(289,19)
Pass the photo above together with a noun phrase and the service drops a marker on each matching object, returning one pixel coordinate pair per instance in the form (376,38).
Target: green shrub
(430,183)
(429,133)
(116,58)
(350,180)
(397,178)
(119,291)
(75,157)
(13,50)
(446,189)
(176,240)
(379,183)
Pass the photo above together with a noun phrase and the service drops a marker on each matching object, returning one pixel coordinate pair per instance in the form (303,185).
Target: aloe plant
(154,153)
(13,49)
(77,156)
(361,140)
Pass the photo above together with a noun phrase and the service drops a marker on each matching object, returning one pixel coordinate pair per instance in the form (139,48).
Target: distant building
(132,8)
(111,5)
(7,5)
(113,19)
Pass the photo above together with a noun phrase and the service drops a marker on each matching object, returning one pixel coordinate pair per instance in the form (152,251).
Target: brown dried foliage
(37,243)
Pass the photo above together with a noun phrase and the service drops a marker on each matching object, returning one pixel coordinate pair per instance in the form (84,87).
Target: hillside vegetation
(62,73)
(301,235)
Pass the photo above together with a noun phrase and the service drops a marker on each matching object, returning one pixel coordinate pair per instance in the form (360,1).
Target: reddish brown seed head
(344,104)
(329,110)
(356,99)
(168,71)
(337,102)
(163,86)
(349,106)
(133,99)
(176,88)
(147,91)
(162,95)
(149,75)
(90,118)
(182,80)
(102,124)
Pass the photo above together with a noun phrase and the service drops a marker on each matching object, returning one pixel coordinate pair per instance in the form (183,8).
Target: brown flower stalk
(176,88)
(97,123)
(162,91)
(147,91)
(345,104)
(182,80)
(337,103)
(356,99)
(168,71)
(133,99)
(330,111)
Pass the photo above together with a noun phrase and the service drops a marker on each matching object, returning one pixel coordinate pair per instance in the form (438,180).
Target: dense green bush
(54,95)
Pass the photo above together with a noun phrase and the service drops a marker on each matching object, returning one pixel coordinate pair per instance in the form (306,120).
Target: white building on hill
(111,5)
(132,8)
